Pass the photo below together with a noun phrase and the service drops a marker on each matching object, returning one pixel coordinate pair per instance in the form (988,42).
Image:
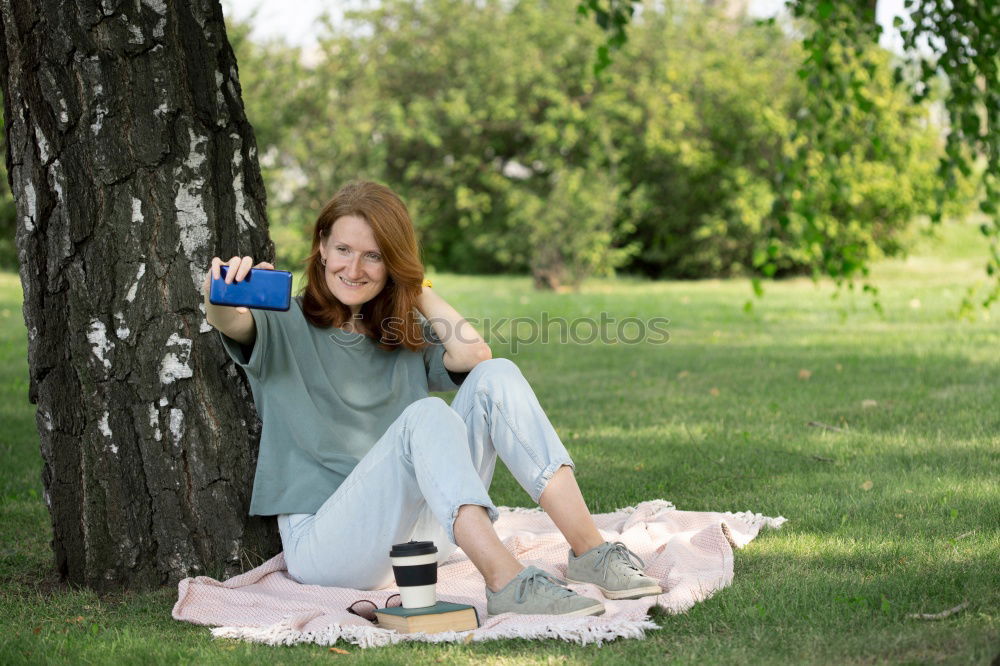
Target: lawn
(893,509)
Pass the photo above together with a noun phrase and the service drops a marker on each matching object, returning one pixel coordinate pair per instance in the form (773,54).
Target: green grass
(897,514)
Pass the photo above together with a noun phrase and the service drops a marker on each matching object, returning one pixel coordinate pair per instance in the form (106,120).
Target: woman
(355,457)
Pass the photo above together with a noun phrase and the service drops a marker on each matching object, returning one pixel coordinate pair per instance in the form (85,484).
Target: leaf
(714,392)
(601,17)
(337,650)
(867,485)
(805,374)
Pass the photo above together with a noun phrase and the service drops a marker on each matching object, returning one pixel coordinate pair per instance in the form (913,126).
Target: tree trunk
(132,164)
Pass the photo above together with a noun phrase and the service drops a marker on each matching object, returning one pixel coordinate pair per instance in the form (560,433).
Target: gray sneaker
(534,592)
(615,569)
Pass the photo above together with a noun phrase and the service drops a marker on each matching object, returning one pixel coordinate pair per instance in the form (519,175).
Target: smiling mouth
(352,284)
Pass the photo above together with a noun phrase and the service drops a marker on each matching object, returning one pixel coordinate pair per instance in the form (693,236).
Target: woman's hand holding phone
(239,267)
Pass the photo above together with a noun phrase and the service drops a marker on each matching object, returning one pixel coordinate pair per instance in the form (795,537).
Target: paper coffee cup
(414,564)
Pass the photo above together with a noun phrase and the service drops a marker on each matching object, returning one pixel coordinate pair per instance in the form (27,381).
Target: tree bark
(132,164)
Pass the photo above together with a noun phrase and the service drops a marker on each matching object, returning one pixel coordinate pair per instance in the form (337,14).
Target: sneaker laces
(544,581)
(622,553)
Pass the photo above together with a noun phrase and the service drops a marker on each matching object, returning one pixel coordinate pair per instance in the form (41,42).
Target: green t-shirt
(325,397)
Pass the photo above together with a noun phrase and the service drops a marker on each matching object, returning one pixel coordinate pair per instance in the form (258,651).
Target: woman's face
(355,271)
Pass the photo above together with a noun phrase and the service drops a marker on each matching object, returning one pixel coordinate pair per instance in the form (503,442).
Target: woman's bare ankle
(500,579)
(583,545)
(475,535)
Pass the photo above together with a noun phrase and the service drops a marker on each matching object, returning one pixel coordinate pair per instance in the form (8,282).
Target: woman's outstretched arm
(464,348)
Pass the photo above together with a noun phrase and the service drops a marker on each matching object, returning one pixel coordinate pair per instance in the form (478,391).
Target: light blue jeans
(410,485)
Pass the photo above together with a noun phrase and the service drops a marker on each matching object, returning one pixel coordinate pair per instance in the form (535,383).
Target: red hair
(391,317)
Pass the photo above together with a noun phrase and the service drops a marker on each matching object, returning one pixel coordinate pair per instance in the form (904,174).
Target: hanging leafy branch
(612,16)
(949,44)
(838,70)
(965,38)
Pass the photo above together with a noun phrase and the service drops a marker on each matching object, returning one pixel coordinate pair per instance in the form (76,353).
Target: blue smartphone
(262,288)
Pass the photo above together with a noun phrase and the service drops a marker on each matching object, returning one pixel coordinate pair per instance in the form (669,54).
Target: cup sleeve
(251,359)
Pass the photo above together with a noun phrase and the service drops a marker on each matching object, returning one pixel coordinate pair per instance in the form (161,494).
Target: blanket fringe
(757,520)
(575,630)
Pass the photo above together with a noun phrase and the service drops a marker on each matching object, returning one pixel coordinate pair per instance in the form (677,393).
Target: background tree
(132,164)
(471,111)
(949,45)
(514,158)
(712,120)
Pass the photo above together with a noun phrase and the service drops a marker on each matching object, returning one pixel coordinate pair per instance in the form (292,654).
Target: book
(442,616)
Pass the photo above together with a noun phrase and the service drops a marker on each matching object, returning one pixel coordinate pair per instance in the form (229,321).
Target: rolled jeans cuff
(543,479)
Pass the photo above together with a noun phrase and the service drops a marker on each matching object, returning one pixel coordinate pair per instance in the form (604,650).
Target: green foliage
(700,123)
(949,43)
(479,116)
(486,118)
(856,173)
(715,115)
(566,230)
(613,18)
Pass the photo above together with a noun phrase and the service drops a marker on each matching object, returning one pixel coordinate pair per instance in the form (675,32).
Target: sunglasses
(366,609)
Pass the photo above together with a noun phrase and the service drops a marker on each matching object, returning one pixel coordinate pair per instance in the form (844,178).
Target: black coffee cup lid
(413,548)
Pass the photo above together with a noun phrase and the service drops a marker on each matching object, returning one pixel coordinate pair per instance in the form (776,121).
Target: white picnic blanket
(689,552)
